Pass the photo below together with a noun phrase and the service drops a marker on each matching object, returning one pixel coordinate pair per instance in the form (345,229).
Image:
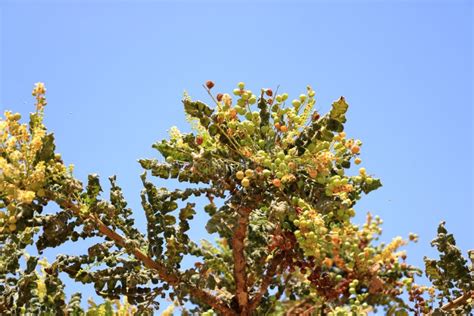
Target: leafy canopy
(273,173)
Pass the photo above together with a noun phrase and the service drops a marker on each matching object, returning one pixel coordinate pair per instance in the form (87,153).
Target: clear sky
(115,74)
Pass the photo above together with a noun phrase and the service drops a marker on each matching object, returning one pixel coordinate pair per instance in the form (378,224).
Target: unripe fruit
(313,173)
(169,159)
(276,182)
(253,99)
(296,103)
(209,84)
(240,110)
(249,173)
(245,182)
(266,172)
(301,203)
(12,219)
(241,85)
(355,149)
(237,92)
(284,96)
(302,97)
(240,175)
(362,172)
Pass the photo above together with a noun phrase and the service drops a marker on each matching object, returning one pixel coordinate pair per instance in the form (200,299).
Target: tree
(278,199)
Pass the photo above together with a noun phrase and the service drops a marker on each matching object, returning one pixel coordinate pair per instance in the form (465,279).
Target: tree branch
(148,262)
(238,252)
(458,301)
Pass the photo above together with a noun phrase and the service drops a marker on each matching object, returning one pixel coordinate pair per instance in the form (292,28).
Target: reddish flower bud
(199,140)
(219,96)
(209,84)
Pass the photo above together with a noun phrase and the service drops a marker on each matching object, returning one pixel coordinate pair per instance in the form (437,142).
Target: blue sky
(115,74)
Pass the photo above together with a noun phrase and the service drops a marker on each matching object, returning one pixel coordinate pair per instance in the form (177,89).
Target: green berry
(296,103)
(239,175)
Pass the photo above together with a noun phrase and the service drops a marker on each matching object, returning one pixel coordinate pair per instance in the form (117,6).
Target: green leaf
(31,264)
(169,220)
(46,152)
(374,185)
(93,186)
(335,125)
(338,110)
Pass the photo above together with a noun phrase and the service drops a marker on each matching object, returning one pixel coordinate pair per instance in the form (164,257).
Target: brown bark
(238,252)
(458,302)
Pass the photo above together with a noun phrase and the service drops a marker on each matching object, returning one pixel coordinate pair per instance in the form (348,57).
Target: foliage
(278,198)
(452,277)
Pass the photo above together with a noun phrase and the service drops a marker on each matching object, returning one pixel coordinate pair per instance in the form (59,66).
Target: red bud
(209,84)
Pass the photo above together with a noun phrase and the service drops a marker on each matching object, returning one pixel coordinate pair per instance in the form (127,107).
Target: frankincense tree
(278,198)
